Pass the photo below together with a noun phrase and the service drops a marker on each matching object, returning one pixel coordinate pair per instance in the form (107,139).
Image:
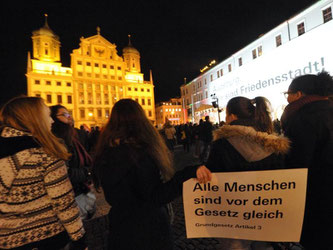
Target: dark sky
(175,38)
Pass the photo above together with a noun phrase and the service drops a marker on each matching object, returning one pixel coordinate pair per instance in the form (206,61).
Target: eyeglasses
(287,93)
(67,115)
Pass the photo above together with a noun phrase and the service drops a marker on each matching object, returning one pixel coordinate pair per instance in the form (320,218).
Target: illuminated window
(260,50)
(49,98)
(48,82)
(37,82)
(278,40)
(229,67)
(327,14)
(301,28)
(69,99)
(240,61)
(254,54)
(59,99)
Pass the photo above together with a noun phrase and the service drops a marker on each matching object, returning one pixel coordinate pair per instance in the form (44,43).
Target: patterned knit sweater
(36,197)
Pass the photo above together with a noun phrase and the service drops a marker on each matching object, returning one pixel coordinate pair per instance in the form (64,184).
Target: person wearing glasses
(80,163)
(308,122)
(37,205)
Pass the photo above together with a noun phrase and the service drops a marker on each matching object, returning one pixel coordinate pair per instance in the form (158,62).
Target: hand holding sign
(257,205)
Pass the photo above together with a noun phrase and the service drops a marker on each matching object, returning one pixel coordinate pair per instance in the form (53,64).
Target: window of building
(278,40)
(98,99)
(99,113)
(82,113)
(112,77)
(69,99)
(301,28)
(129,88)
(149,102)
(90,101)
(211,78)
(97,75)
(186,91)
(88,63)
(68,84)
(135,89)
(49,98)
(240,61)
(79,62)
(96,65)
(137,100)
(229,67)
(105,76)
(89,74)
(81,98)
(205,81)
(107,113)
(37,82)
(327,14)
(104,66)
(259,50)
(106,99)
(143,101)
(254,54)
(79,73)
(111,67)
(142,90)
(148,90)
(149,113)
(48,82)
(218,74)
(98,87)
(59,99)
(119,68)
(120,78)
(58,83)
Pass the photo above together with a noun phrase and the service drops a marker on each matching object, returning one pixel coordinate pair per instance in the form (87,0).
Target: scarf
(293,107)
(84,157)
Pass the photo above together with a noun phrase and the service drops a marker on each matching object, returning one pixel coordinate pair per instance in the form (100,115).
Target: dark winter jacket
(242,148)
(133,187)
(310,130)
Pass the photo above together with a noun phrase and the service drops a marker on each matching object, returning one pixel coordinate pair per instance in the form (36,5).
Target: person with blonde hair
(37,206)
(134,167)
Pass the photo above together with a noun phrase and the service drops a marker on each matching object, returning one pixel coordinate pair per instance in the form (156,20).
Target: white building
(265,67)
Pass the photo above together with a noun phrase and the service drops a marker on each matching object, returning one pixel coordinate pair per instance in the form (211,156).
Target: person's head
(30,114)
(254,110)
(61,114)
(128,123)
(207,118)
(320,85)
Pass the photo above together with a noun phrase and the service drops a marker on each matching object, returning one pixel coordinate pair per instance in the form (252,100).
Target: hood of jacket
(12,141)
(251,144)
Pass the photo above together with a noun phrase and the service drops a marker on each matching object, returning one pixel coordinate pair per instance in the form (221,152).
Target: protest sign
(256,205)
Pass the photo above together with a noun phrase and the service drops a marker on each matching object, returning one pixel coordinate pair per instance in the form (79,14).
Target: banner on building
(256,205)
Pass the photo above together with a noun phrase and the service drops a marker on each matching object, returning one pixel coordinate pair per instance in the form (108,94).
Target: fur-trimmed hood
(251,144)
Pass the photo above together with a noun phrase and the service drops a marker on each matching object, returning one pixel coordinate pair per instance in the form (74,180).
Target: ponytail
(262,118)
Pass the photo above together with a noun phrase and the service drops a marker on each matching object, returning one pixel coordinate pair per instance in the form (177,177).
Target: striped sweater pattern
(36,196)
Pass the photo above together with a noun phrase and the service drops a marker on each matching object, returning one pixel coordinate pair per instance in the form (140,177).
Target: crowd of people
(48,167)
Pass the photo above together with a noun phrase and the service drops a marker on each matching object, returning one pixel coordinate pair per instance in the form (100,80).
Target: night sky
(175,38)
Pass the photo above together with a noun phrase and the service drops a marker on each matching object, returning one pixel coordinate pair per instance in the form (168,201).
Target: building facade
(97,79)
(169,111)
(265,67)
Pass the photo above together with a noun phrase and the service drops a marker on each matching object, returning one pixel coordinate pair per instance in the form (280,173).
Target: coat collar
(251,144)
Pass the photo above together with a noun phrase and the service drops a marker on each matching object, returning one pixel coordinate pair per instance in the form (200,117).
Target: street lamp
(215,104)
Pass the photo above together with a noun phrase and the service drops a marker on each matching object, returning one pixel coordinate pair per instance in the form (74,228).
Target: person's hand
(203,174)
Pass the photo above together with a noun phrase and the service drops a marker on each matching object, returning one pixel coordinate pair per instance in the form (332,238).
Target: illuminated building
(170,110)
(300,45)
(98,77)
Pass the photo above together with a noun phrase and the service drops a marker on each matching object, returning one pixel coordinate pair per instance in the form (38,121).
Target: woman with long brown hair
(134,168)
(37,206)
